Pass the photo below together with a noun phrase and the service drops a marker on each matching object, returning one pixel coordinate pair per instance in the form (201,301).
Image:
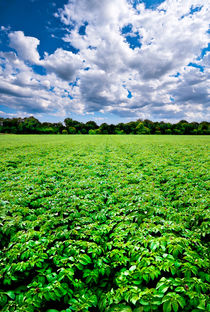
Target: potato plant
(109,223)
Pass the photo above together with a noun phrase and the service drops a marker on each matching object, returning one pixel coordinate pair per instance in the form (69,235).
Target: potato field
(104,223)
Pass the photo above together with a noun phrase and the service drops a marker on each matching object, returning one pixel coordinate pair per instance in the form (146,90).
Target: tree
(29,125)
(69,122)
(141,129)
(104,128)
(71,130)
(91,131)
(131,127)
(118,131)
(32,125)
(204,128)
(168,131)
(59,127)
(91,125)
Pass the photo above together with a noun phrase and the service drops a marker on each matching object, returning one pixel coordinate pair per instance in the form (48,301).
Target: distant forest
(31,125)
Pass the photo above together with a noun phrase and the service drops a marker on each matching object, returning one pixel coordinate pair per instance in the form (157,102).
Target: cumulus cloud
(26,91)
(95,12)
(171,37)
(110,64)
(25,46)
(63,63)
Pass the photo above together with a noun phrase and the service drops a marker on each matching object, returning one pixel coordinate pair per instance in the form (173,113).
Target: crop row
(104,224)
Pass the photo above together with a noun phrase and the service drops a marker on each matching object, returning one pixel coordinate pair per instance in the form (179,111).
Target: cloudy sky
(105,60)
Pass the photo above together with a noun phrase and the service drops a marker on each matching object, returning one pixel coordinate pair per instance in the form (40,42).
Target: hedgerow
(104,224)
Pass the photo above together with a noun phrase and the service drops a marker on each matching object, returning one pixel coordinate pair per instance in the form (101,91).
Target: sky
(105,60)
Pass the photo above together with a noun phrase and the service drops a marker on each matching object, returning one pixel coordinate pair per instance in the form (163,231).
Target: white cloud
(63,63)
(157,74)
(104,12)
(171,38)
(26,91)
(25,46)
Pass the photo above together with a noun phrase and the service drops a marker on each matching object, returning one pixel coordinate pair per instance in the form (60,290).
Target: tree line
(31,125)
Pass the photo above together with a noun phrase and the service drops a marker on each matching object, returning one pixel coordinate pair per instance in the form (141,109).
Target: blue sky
(108,60)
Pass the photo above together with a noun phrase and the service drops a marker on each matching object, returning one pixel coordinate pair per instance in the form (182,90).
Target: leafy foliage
(104,224)
(32,125)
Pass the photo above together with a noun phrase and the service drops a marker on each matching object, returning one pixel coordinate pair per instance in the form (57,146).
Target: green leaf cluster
(107,224)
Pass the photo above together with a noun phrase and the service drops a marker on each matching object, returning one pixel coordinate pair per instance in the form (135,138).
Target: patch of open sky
(127,29)
(196,66)
(149,4)
(195,9)
(5,48)
(192,11)
(204,51)
(4,41)
(3,66)
(39,70)
(132,38)
(129,96)
(73,84)
(6,109)
(35,19)
(69,96)
(70,48)
(176,75)
(82,29)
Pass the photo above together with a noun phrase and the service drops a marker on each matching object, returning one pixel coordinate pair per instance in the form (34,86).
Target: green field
(104,223)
